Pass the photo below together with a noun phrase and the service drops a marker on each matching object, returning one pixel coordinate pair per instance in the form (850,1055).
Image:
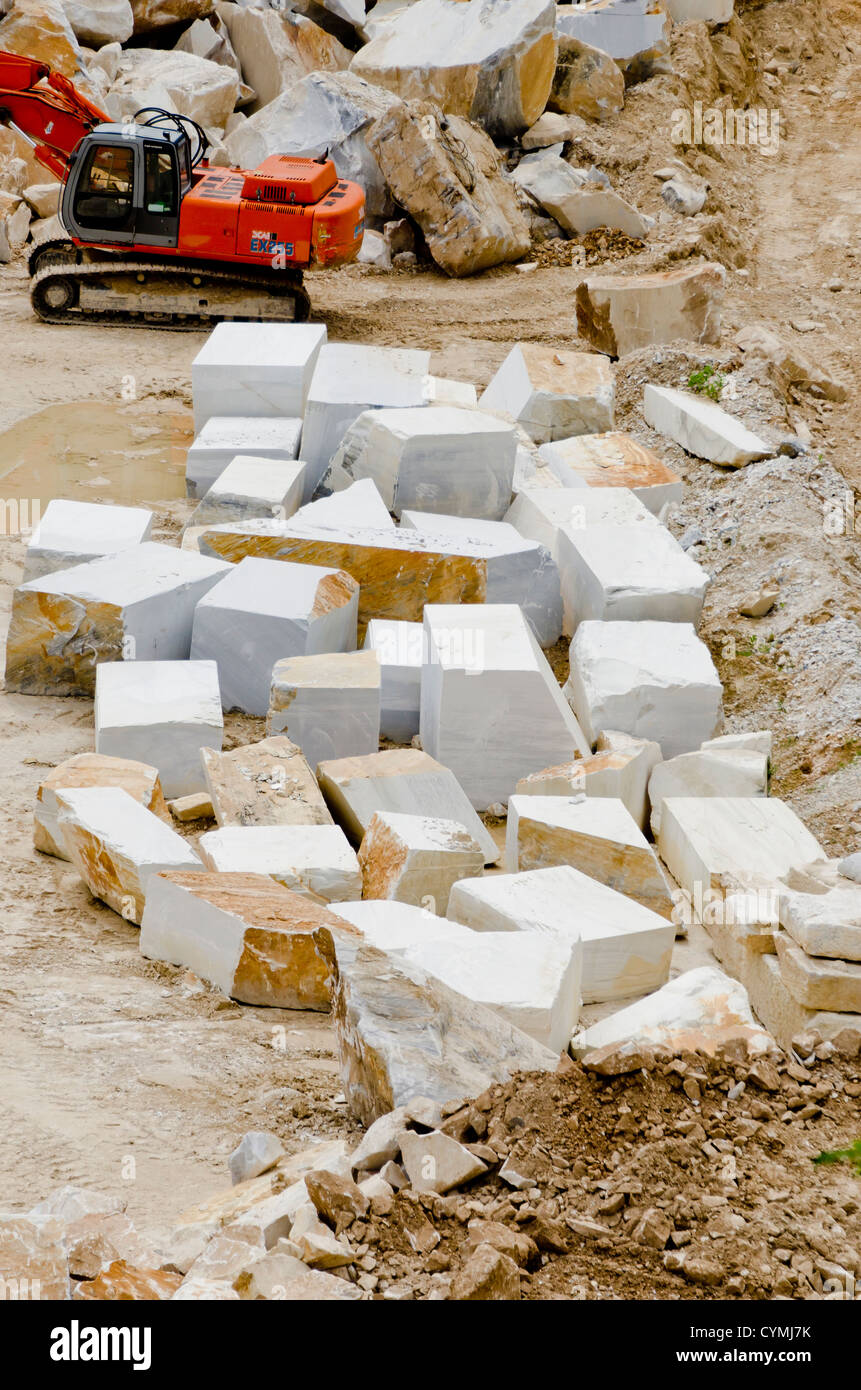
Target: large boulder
(617,314)
(97,22)
(587,82)
(277,50)
(326,111)
(490,60)
(155,14)
(196,87)
(41,29)
(446,174)
(635,33)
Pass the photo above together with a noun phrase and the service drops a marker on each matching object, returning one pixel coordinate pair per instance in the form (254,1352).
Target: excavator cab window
(160,181)
(106,188)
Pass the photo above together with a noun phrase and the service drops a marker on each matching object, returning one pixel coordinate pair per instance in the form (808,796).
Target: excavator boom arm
(46,108)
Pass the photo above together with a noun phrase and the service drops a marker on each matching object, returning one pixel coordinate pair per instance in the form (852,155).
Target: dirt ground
(108,1058)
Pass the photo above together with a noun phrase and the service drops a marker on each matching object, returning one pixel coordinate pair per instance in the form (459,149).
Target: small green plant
(851,1155)
(708,381)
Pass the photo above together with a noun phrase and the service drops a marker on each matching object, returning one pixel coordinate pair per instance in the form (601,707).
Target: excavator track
(71,285)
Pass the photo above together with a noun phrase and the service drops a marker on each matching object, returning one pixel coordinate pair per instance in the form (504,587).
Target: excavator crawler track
(70,285)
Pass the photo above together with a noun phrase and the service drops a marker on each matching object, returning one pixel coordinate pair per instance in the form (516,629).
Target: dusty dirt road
(119,1074)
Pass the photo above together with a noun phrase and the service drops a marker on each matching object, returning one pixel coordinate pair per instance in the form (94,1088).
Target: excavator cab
(126,183)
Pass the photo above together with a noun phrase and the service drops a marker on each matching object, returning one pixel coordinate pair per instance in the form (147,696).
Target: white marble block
(439,459)
(400,651)
(328,705)
(701,427)
(613,460)
(712,771)
(620,768)
(756,838)
(626,947)
(313,859)
(416,859)
(403,780)
(349,378)
(698,1011)
(627,573)
(137,605)
(491,709)
(117,845)
(649,679)
(255,369)
(251,486)
(626,29)
(72,533)
(264,610)
(540,513)
(360,504)
(163,713)
(533,984)
(553,393)
(92,770)
(517,570)
(223,437)
(599,837)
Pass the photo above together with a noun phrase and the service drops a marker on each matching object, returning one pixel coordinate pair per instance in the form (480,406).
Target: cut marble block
(245,934)
(255,369)
(712,771)
(396,927)
(702,427)
(613,460)
(402,1033)
(443,459)
(400,652)
(265,783)
(118,846)
(264,610)
(553,393)
(251,486)
(599,837)
(534,984)
(628,573)
(360,504)
(223,437)
(312,859)
(72,533)
(349,378)
(703,838)
(403,780)
(757,741)
(817,982)
(416,859)
(162,712)
(399,570)
(626,947)
(618,314)
(491,709)
(648,679)
(629,30)
(134,606)
(328,705)
(824,923)
(518,570)
(92,770)
(699,1011)
(444,390)
(540,513)
(620,768)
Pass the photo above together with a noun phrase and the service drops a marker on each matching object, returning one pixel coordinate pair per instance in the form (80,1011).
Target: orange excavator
(153,234)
